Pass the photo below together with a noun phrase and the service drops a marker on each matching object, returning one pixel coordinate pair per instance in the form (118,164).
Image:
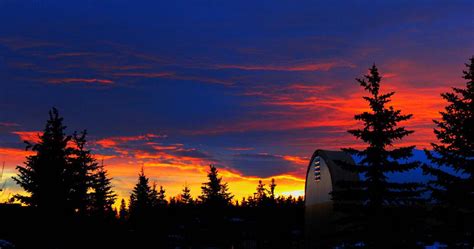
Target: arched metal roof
(337,173)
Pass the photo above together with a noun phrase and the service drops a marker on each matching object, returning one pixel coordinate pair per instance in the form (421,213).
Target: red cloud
(112,142)
(80,80)
(30,136)
(144,74)
(301,67)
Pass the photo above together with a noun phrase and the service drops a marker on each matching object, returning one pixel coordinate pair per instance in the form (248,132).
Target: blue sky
(251,86)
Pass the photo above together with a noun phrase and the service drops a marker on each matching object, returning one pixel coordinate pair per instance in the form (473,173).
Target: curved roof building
(321,177)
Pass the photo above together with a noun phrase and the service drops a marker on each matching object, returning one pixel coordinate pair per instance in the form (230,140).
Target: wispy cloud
(144,74)
(30,136)
(325,66)
(9,124)
(80,80)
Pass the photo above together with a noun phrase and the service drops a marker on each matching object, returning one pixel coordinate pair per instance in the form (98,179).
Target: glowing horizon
(252,88)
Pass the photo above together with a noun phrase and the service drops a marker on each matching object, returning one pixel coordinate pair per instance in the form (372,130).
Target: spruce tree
(79,174)
(154,196)
(377,209)
(123,213)
(44,175)
(2,185)
(453,156)
(272,189)
(141,198)
(162,197)
(185,197)
(103,196)
(261,194)
(215,192)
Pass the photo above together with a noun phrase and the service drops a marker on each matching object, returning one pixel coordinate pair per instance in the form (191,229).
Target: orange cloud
(112,142)
(30,136)
(297,159)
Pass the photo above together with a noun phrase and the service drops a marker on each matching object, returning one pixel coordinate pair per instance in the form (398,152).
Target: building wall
(318,191)
(318,205)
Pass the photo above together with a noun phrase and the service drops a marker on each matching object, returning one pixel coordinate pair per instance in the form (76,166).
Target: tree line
(63,179)
(68,189)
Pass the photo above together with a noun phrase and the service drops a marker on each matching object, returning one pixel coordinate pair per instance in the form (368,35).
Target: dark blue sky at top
(188,69)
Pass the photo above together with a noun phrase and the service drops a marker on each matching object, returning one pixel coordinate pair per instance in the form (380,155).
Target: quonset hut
(321,177)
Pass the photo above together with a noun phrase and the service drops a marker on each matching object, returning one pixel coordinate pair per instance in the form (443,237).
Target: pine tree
(103,197)
(453,186)
(374,204)
(214,192)
(44,175)
(141,198)
(185,197)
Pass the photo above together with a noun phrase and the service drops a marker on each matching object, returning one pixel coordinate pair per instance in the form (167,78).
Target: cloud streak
(326,66)
(80,81)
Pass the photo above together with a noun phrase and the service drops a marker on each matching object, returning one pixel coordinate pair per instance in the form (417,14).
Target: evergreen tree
(79,174)
(141,197)
(214,192)
(453,186)
(185,197)
(123,213)
(154,196)
(261,194)
(103,197)
(2,185)
(44,175)
(162,197)
(272,190)
(375,206)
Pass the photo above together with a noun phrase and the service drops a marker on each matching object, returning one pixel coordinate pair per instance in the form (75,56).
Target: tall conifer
(214,191)
(44,176)
(376,207)
(453,156)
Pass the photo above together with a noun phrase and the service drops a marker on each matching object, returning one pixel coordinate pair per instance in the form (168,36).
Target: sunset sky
(253,87)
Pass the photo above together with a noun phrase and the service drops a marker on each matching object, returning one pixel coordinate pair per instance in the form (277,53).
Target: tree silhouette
(261,194)
(103,196)
(272,189)
(2,185)
(141,198)
(214,192)
(162,197)
(123,213)
(44,174)
(154,196)
(453,186)
(79,174)
(374,204)
(185,197)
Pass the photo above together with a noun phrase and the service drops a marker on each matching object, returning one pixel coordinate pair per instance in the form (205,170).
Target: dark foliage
(214,192)
(103,196)
(377,212)
(453,156)
(45,174)
(142,198)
